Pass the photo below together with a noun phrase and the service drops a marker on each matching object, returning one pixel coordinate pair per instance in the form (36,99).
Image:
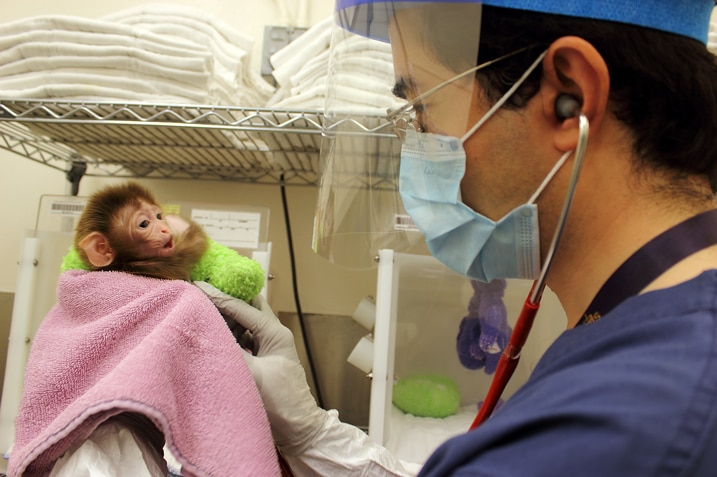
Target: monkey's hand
(313,441)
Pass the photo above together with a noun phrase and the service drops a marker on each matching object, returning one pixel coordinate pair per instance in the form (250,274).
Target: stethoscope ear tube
(511,354)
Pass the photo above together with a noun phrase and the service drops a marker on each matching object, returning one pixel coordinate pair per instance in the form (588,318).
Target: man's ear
(573,67)
(98,249)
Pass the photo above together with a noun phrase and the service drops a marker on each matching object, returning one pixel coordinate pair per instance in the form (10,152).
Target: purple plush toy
(484,332)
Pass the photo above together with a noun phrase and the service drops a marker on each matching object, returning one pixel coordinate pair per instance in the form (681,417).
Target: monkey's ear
(98,249)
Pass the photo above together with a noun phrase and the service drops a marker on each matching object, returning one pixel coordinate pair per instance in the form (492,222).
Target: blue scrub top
(633,394)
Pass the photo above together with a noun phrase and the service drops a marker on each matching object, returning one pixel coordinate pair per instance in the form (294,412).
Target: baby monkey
(122,228)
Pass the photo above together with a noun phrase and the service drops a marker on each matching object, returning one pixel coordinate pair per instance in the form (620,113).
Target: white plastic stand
(384,339)
(19,341)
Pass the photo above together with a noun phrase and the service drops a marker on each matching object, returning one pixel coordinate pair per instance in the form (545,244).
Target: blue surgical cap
(689,18)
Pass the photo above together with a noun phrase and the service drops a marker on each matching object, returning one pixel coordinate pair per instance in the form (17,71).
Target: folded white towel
(356,77)
(91,92)
(103,56)
(279,95)
(373,101)
(362,87)
(343,98)
(316,67)
(231,49)
(378,70)
(228,55)
(61,22)
(25,85)
(373,66)
(357,43)
(312,99)
(290,59)
(129,66)
(79,24)
(172,13)
(359,82)
(149,44)
(309,43)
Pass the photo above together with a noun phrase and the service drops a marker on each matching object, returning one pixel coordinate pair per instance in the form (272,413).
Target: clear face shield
(376,91)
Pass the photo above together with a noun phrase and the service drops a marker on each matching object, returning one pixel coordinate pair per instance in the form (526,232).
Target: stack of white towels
(361,84)
(177,54)
(152,53)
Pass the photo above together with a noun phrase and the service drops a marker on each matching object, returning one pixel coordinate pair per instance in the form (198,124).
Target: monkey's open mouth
(169,245)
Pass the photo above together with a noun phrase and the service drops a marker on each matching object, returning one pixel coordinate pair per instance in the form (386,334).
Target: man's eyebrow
(402,86)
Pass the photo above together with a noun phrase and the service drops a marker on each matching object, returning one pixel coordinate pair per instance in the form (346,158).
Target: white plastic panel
(420,304)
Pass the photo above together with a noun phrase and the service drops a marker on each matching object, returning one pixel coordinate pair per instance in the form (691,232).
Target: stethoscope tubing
(511,354)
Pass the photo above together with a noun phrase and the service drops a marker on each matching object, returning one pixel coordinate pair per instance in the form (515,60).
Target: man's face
(500,170)
(452,111)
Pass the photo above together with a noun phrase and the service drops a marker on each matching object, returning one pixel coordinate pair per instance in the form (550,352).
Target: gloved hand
(484,332)
(314,442)
(293,414)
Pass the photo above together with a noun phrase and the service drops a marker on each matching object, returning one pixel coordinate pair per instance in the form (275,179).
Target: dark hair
(663,86)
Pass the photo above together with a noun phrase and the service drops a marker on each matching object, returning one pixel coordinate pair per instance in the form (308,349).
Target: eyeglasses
(404,117)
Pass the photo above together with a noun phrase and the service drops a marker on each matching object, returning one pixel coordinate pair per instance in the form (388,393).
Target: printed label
(233,229)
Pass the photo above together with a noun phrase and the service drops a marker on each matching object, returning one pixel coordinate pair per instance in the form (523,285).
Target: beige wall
(323,287)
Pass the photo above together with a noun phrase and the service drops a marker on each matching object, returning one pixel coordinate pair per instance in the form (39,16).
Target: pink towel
(123,343)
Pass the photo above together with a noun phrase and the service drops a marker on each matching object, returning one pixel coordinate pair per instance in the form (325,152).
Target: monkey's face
(147,231)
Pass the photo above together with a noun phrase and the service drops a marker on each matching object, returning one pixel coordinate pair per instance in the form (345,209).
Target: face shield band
(689,18)
(359,210)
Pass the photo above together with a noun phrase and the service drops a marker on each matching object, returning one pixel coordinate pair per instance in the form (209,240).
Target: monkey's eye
(144,224)
(159,216)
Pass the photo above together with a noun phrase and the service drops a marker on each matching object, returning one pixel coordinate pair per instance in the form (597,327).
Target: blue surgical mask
(469,243)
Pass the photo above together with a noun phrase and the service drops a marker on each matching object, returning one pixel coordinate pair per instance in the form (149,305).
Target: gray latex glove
(293,414)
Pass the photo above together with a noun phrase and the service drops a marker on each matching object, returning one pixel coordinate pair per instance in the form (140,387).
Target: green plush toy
(220,266)
(427,395)
(230,272)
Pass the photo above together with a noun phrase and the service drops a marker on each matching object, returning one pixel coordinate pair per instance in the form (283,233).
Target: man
(572,140)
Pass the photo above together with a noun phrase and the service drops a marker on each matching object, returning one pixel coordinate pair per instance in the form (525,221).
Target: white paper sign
(233,229)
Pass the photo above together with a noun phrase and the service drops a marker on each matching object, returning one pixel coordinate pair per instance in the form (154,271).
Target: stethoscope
(639,270)
(566,106)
